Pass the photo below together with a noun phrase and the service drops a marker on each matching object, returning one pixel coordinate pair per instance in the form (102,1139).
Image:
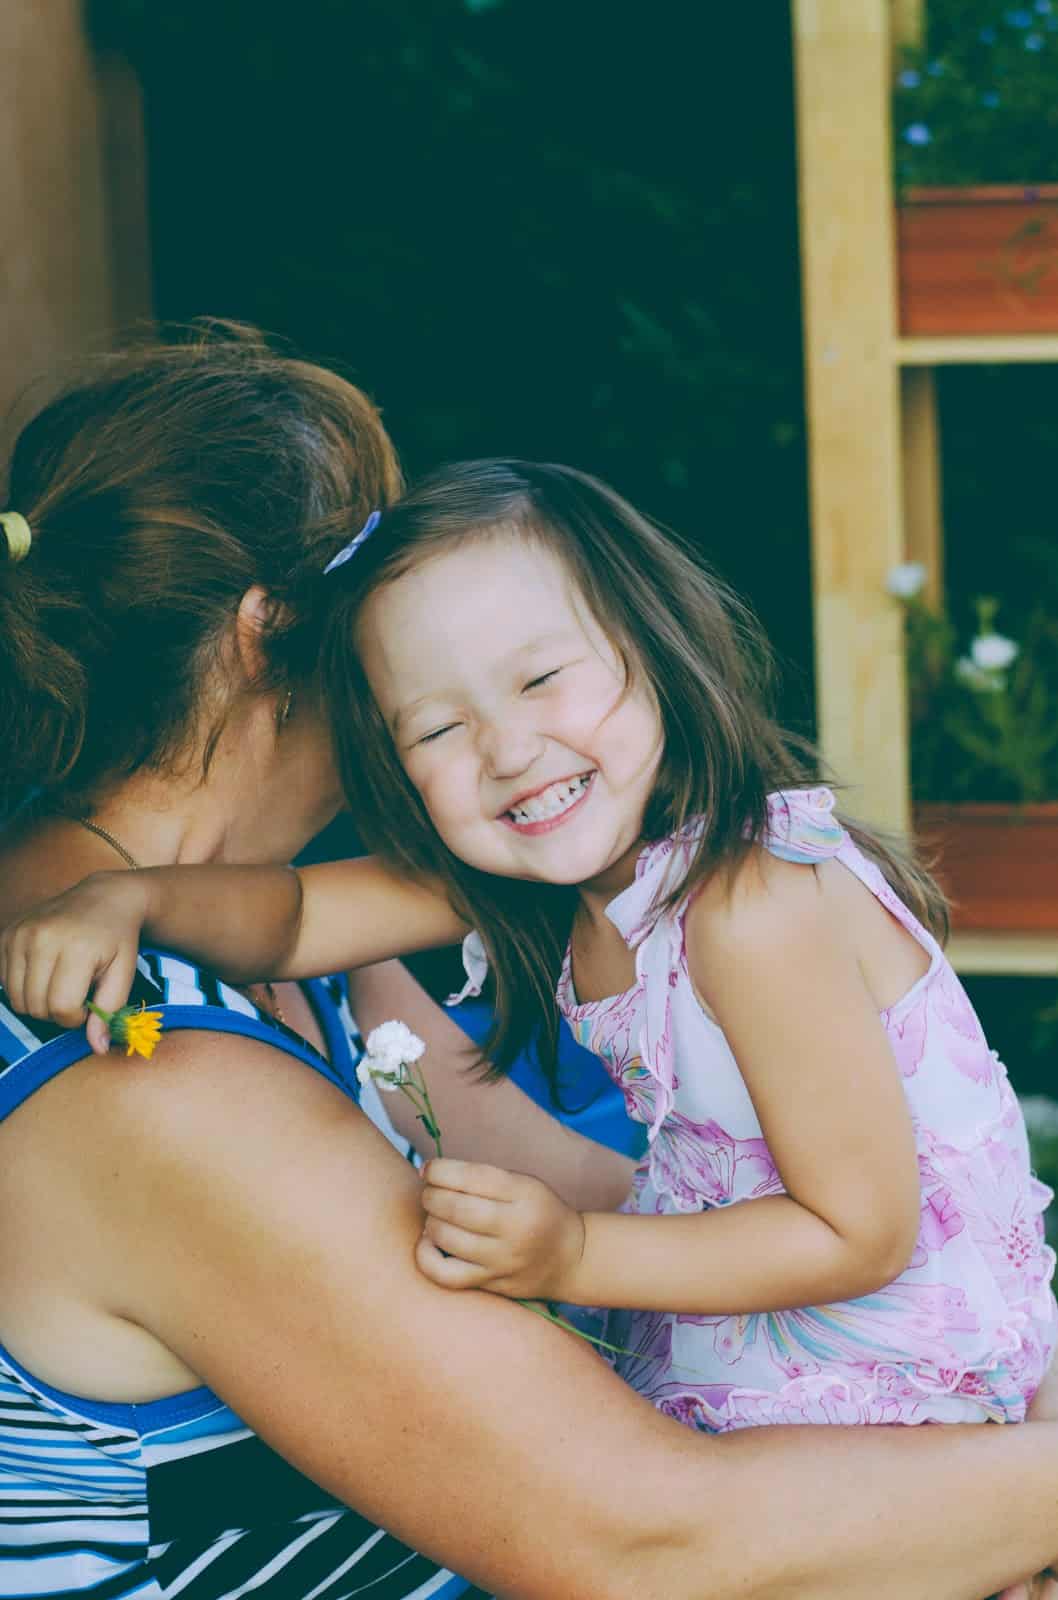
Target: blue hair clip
(347,552)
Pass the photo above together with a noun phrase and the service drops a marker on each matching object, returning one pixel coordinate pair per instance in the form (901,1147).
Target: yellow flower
(133,1026)
(139,1030)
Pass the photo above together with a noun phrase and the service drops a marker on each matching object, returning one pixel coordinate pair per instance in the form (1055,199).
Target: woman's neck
(156,822)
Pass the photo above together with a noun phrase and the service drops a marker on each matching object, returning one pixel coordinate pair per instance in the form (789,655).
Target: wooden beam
(975,349)
(843,65)
(73,227)
(923,528)
(908,21)
(1005,954)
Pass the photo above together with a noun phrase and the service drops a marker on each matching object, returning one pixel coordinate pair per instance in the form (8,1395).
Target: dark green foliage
(980,734)
(560,228)
(979,103)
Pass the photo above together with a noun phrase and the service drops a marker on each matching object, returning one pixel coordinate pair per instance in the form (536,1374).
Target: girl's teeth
(553,801)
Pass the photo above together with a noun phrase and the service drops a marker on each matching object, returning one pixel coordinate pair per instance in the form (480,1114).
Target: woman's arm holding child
(766,956)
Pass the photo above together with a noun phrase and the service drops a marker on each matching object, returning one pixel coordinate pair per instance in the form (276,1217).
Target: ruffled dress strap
(802,827)
(476,967)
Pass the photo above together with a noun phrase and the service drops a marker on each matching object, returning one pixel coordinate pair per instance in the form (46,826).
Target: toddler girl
(554,721)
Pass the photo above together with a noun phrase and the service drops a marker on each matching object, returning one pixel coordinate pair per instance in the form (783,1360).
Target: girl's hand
(490,1229)
(51,958)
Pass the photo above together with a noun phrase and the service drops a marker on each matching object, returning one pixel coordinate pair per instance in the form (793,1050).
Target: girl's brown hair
(674,624)
(160,486)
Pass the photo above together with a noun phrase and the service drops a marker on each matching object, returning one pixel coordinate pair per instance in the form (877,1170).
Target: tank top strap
(802,827)
(32,1052)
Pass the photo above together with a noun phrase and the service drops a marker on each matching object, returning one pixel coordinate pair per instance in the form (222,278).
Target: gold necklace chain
(108,838)
(93,827)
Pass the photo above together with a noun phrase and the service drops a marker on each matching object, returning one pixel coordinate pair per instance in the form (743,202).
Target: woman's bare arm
(258,1225)
(492,1122)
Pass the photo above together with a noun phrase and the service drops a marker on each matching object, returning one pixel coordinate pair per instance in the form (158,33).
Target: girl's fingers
(41,962)
(448,1271)
(469,1247)
(14,975)
(468,1211)
(469,1177)
(66,992)
(98,1034)
(115,980)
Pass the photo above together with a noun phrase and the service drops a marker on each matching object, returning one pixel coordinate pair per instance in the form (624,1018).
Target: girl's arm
(470,1428)
(767,959)
(246,923)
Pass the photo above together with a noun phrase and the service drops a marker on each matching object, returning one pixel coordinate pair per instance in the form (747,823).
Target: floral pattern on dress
(966,1331)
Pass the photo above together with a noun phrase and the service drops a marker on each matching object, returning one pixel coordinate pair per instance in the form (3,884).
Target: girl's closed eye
(545,677)
(436,733)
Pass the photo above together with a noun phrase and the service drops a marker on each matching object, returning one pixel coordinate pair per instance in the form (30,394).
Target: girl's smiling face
(510,711)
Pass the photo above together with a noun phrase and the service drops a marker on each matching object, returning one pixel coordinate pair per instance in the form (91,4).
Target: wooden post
(73,232)
(921,436)
(843,61)
(924,536)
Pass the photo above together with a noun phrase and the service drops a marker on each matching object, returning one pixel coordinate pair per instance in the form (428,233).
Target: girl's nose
(508,748)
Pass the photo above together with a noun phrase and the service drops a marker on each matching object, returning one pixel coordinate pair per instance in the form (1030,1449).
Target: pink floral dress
(966,1332)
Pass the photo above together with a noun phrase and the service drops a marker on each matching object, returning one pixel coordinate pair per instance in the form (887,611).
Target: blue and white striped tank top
(177,1497)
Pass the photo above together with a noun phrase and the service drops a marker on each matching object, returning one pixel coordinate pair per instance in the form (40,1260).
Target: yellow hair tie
(18,532)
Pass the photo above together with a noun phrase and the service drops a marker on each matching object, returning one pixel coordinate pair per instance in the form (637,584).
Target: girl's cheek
(433,780)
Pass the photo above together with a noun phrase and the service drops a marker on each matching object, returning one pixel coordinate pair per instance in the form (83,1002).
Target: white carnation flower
(393,1045)
(977,678)
(906,579)
(384,1079)
(391,1049)
(993,652)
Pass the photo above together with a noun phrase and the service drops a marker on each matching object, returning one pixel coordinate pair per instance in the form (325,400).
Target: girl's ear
(257,612)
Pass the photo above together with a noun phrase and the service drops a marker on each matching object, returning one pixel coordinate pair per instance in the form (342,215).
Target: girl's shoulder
(800,828)
(764,901)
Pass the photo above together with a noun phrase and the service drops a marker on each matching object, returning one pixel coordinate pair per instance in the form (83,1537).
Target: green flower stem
(549,1314)
(416,1091)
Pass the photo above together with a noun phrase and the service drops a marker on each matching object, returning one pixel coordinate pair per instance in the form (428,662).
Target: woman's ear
(256,614)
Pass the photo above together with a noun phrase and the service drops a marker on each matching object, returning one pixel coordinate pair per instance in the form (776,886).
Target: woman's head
(160,488)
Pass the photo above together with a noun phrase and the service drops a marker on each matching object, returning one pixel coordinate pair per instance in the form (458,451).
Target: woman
(215,1339)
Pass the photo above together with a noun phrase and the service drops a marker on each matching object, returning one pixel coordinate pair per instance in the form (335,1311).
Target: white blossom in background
(993,652)
(906,580)
(981,679)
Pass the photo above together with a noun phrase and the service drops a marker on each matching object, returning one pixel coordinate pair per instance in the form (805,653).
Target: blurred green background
(565,229)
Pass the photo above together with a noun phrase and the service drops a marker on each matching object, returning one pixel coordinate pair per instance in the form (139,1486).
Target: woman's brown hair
(674,624)
(159,486)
